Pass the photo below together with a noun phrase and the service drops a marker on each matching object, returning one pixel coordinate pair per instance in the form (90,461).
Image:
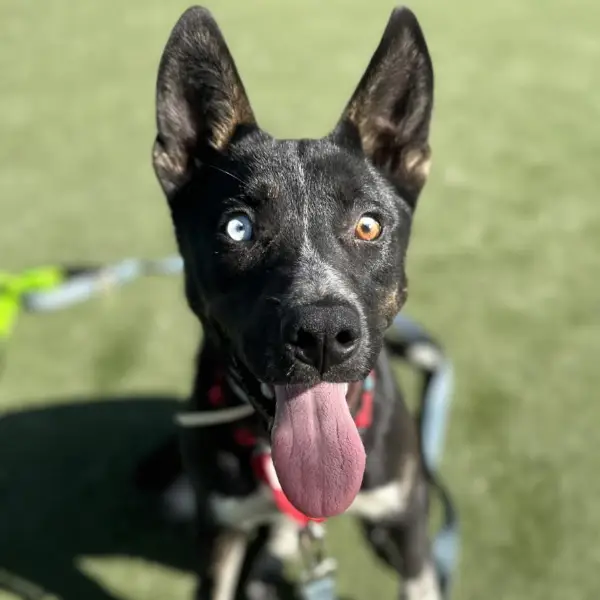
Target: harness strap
(445,546)
(214,417)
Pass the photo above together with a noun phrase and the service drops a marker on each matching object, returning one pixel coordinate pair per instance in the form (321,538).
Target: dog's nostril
(345,337)
(304,339)
(309,347)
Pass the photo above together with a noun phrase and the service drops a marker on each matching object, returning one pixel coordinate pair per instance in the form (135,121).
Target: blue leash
(418,348)
(86,282)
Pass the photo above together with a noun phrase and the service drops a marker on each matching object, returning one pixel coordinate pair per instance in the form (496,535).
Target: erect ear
(390,110)
(200,99)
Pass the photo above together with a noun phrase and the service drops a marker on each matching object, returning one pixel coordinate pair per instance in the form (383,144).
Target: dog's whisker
(290,370)
(224,172)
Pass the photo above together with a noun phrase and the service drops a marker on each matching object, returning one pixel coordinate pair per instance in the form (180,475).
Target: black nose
(323,336)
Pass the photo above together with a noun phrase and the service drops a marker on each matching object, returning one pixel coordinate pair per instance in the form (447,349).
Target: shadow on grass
(66,491)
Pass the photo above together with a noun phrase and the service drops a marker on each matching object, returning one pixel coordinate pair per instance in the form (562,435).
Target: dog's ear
(200,99)
(390,111)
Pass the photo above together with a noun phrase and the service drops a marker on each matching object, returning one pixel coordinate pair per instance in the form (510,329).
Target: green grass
(504,268)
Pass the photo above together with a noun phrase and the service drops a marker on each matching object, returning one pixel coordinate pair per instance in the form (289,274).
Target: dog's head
(294,250)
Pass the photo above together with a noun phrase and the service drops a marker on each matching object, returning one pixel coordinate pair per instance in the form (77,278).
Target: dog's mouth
(317,451)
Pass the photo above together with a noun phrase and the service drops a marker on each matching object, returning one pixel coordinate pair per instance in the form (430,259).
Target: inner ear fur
(390,111)
(200,99)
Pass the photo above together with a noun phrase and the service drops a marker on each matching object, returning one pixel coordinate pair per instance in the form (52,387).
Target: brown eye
(367,229)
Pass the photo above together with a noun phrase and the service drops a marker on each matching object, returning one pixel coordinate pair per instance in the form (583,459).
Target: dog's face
(294,250)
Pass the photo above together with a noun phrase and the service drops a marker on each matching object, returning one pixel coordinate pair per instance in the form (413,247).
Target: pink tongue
(317,452)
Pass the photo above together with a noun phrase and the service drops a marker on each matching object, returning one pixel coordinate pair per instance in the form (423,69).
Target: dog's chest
(253,502)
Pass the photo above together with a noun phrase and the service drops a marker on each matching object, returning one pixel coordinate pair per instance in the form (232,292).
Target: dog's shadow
(66,492)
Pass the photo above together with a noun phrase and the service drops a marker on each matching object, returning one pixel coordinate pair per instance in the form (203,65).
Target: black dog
(294,255)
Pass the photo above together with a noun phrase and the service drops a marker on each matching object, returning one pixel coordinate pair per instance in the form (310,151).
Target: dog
(294,258)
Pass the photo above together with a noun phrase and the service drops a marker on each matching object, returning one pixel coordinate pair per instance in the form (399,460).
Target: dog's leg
(268,580)
(228,566)
(405,547)
(221,562)
(230,550)
(418,572)
(283,543)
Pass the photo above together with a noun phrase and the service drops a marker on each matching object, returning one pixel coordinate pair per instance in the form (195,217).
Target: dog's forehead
(305,168)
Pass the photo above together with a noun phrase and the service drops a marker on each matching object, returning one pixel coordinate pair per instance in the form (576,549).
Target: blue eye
(239,228)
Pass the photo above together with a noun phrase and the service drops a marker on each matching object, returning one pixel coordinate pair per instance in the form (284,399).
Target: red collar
(364,417)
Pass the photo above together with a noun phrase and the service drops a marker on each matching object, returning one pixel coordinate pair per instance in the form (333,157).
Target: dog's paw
(261,590)
(423,587)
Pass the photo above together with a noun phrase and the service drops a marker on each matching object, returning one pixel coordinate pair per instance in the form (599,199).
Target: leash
(53,288)
(13,290)
(409,340)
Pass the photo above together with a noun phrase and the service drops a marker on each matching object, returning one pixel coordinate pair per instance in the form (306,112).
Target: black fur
(302,299)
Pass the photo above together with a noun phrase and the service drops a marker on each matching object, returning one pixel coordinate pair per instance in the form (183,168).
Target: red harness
(262,463)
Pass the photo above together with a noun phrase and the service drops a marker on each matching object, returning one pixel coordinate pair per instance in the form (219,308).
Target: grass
(503,266)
